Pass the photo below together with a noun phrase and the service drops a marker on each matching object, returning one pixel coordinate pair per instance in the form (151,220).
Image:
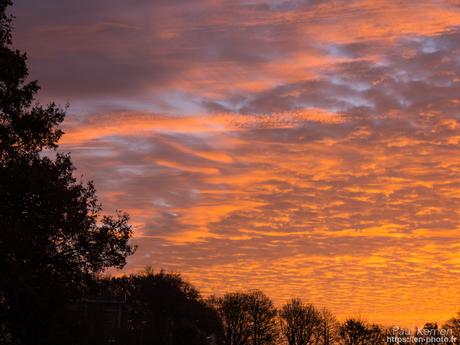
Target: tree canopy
(160,308)
(53,235)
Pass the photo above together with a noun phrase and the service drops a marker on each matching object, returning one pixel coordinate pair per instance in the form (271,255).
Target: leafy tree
(300,322)
(52,234)
(161,309)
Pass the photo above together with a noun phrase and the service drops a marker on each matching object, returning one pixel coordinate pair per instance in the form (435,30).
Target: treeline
(162,308)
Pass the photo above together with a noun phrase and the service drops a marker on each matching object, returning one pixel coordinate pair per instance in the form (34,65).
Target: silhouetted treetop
(53,234)
(161,308)
(248,318)
(25,128)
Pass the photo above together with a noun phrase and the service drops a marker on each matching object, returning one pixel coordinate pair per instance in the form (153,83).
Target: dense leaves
(25,128)
(160,308)
(52,233)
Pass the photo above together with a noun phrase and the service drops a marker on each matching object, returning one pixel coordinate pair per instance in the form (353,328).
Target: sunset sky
(306,148)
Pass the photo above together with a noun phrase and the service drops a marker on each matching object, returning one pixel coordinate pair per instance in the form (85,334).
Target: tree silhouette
(262,318)
(453,325)
(353,332)
(248,318)
(375,335)
(328,328)
(232,309)
(161,308)
(300,322)
(53,236)
(430,333)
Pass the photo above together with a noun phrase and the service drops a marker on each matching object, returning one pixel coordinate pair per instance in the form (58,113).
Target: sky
(305,148)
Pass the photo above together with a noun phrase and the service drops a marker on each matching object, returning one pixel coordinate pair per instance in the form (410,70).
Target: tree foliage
(52,233)
(161,308)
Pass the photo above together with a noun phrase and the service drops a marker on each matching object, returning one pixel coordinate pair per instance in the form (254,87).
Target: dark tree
(161,308)
(247,318)
(353,332)
(52,234)
(262,318)
(300,322)
(453,327)
(232,309)
(328,329)
(431,334)
(376,335)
